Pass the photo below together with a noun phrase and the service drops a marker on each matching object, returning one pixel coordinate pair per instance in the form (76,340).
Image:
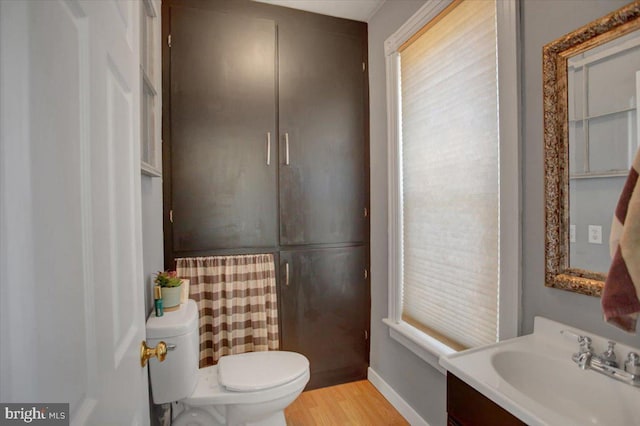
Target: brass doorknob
(146,353)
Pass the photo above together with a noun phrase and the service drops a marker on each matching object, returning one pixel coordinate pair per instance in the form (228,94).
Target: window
(453,176)
(150,144)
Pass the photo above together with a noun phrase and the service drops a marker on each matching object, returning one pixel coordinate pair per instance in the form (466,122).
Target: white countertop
(534,378)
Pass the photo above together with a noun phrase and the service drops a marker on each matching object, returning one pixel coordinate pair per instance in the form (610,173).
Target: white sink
(534,378)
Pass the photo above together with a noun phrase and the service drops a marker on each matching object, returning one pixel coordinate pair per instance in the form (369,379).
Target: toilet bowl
(246,389)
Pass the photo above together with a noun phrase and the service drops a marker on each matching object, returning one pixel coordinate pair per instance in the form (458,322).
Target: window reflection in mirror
(603,86)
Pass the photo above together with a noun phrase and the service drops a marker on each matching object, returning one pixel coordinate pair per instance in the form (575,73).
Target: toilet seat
(254,371)
(209,391)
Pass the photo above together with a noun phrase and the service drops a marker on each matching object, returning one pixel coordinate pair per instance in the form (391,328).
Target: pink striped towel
(620,302)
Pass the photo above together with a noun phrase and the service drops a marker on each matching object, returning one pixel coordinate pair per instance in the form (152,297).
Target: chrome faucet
(606,363)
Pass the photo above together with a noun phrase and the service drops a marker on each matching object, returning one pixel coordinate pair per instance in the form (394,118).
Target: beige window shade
(450,177)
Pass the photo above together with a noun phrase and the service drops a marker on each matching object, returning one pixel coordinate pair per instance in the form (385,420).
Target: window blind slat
(450,173)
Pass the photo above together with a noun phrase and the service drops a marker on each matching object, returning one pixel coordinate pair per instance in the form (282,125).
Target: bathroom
(418,387)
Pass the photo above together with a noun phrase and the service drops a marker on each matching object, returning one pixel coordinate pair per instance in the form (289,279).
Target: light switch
(572,233)
(595,234)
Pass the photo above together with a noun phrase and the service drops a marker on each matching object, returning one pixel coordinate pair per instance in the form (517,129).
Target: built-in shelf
(150,142)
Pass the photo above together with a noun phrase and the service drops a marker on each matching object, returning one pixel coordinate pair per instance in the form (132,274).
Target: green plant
(167,279)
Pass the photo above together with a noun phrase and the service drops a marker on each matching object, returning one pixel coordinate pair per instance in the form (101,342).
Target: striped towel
(622,288)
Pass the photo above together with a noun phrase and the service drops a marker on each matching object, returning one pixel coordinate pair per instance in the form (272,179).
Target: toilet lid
(254,371)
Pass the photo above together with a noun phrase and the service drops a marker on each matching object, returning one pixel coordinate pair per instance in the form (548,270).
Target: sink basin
(534,378)
(554,384)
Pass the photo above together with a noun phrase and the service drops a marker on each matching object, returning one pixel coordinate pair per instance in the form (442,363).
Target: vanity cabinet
(468,407)
(265,131)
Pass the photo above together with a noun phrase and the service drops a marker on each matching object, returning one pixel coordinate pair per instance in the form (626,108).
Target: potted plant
(170,284)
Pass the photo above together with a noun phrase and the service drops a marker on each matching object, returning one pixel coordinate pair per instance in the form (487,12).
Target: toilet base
(195,417)
(210,404)
(201,416)
(276,419)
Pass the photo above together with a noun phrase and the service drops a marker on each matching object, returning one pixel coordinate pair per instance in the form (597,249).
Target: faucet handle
(585,344)
(632,365)
(609,356)
(583,341)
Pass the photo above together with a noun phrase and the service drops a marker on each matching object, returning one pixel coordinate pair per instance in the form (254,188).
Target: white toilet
(246,389)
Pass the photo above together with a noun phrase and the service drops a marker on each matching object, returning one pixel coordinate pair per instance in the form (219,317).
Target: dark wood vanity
(468,407)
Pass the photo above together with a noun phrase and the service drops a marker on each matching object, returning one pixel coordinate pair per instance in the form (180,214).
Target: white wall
(543,22)
(152,239)
(592,203)
(420,385)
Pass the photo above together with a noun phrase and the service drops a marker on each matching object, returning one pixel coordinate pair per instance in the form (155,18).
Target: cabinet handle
(268,148)
(286,148)
(286,274)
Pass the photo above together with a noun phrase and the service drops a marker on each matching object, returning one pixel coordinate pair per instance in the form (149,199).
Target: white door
(72,309)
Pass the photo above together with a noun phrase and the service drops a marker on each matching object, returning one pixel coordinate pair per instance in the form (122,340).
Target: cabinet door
(322,120)
(324,299)
(468,407)
(223,109)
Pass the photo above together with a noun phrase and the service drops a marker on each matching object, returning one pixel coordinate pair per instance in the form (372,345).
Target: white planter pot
(171,296)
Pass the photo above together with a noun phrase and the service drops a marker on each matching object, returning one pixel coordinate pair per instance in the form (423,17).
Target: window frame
(423,345)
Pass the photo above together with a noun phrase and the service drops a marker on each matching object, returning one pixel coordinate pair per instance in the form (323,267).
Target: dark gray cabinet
(265,120)
(324,295)
(223,111)
(323,151)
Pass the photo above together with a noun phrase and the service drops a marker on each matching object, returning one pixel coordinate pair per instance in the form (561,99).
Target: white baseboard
(396,400)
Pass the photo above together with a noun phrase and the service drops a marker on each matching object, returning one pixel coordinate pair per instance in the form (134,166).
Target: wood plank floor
(350,404)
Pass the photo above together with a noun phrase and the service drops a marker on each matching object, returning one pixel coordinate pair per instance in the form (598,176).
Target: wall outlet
(572,233)
(595,234)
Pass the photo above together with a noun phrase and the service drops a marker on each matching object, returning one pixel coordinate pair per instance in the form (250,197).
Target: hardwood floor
(354,404)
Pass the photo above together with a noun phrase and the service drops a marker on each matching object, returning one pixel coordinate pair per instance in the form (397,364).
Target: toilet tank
(176,377)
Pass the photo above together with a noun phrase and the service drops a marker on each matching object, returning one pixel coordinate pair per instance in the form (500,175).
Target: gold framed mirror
(560,271)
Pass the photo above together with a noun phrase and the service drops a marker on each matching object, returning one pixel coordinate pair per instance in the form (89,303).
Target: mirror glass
(591,86)
(603,84)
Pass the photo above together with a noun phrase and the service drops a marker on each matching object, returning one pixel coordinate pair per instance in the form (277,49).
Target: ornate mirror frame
(558,274)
